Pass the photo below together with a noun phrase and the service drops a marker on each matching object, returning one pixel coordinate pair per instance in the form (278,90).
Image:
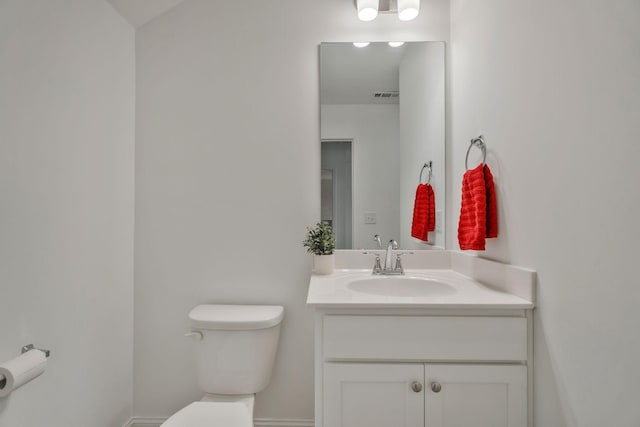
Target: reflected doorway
(336,191)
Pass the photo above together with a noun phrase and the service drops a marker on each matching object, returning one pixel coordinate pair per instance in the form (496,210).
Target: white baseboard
(274,422)
(258,422)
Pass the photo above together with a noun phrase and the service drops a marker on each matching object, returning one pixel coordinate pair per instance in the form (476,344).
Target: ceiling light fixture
(368,9)
(396,44)
(361,44)
(408,9)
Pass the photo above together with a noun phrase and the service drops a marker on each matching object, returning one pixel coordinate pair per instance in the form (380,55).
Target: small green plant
(320,240)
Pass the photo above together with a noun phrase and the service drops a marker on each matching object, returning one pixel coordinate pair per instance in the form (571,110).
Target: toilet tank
(238,347)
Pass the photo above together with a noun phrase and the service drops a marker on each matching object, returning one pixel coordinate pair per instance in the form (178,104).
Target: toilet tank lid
(235,317)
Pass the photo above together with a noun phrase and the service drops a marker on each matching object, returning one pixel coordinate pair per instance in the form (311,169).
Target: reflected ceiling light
(361,44)
(396,44)
(367,9)
(408,9)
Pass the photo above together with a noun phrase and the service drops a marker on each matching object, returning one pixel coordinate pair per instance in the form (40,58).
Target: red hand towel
(492,205)
(421,209)
(478,210)
(431,213)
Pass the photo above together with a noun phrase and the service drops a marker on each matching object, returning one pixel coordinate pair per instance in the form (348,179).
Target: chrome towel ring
(478,142)
(426,166)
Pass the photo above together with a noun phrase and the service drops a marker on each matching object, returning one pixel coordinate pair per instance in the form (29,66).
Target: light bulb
(408,9)
(396,44)
(367,9)
(361,44)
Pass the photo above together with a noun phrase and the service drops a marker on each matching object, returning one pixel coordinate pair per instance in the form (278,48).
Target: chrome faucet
(388,269)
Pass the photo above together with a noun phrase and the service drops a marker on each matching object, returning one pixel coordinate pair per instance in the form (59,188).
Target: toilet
(235,349)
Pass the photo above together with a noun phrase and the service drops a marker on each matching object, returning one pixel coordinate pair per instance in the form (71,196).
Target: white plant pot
(323,264)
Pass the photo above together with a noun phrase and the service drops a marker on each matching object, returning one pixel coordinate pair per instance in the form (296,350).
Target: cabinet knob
(416,386)
(436,387)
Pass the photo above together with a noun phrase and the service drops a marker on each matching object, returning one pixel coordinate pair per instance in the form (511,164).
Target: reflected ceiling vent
(386,95)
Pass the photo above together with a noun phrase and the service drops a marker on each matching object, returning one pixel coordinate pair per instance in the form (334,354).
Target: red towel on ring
(478,210)
(424,217)
(492,204)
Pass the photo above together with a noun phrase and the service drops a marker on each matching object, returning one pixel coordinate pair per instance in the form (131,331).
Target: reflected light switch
(369,217)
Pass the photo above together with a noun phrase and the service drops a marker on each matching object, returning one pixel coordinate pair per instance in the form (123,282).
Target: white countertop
(462,292)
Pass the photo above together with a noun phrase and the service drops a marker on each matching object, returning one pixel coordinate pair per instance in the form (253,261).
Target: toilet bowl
(235,348)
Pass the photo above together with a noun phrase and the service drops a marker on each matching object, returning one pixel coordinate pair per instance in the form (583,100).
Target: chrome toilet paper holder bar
(28,347)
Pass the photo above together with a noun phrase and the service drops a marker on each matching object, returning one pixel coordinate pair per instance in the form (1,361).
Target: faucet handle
(399,262)
(377,267)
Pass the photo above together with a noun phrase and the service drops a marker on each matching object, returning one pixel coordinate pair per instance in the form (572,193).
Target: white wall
(422,135)
(66,209)
(376,165)
(227,177)
(554,88)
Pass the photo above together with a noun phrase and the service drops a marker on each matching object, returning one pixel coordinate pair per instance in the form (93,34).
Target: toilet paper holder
(28,347)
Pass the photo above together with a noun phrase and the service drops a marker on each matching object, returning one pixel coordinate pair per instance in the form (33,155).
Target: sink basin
(401,286)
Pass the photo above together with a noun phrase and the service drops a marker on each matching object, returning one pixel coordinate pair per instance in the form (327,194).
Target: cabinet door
(475,396)
(373,395)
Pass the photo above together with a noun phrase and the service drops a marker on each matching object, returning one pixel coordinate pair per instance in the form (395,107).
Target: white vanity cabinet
(476,395)
(372,395)
(422,367)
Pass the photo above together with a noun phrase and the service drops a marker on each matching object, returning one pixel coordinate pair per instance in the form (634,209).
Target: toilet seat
(211,414)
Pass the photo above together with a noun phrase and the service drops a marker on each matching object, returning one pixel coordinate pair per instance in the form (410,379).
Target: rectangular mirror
(382,118)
